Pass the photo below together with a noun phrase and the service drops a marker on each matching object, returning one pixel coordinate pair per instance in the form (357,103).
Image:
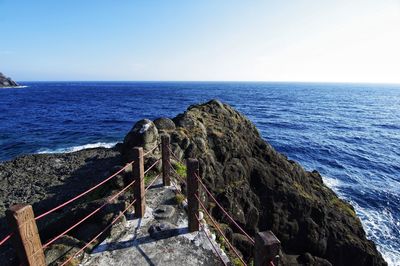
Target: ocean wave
(332,183)
(380,225)
(382,228)
(78,148)
(15,87)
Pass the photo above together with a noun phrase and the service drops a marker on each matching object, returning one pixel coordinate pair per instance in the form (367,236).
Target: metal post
(192,192)
(25,240)
(166,160)
(138,187)
(266,248)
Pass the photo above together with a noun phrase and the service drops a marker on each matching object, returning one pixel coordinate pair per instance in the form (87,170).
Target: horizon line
(224,81)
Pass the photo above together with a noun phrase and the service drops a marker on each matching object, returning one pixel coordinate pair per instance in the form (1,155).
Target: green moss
(179,198)
(238,183)
(300,189)
(344,206)
(149,177)
(180,169)
(237,262)
(73,262)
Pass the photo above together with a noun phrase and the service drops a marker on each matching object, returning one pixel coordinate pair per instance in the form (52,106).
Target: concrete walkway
(172,246)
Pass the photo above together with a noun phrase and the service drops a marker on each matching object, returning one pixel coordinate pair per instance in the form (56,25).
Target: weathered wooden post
(138,187)
(25,239)
(266,248)
(192,192)
(166,154)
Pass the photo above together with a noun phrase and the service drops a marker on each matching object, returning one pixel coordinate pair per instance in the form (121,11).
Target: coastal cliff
(261,188)
(7,82)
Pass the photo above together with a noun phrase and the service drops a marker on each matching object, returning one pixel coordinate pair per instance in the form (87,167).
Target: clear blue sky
(339,41)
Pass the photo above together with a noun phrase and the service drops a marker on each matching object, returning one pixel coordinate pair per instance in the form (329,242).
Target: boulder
(143,134)
(164,124)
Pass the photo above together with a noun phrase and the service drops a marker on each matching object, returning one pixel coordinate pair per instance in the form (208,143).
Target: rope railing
(173,155)
(151,150)
(152,182)
(224,211)
(151,167)
(89,215)
(99,234)
(83,193)
(211,242)
(265,240)
(220,231)
(4,240)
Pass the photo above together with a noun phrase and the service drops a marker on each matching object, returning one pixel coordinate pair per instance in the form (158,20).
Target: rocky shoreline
(260,187)
(6,82)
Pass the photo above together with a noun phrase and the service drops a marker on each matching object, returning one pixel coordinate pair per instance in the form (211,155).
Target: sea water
(350,133)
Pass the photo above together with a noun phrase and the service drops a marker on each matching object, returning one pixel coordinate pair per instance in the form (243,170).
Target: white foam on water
(78,148)
(332,183)
(15,87)
(378,225)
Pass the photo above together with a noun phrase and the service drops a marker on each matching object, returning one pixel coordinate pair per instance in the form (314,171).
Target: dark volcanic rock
(46,180)
(263,190)
(7,82)
(144,134)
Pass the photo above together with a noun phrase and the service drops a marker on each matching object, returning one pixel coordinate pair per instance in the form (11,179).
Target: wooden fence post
(138,187)
(166,168)
(25,239)
(192,191)
(266,248)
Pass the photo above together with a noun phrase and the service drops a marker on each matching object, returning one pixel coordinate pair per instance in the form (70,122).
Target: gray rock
(143,134)
(164,212)
(162,230)
(164,124)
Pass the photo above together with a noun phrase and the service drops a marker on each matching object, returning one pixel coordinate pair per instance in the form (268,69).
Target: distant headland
(7,82)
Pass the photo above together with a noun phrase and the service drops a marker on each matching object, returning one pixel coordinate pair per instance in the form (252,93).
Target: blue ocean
(350,133)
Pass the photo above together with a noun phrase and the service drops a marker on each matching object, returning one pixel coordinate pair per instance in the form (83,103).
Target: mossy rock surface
(263,190)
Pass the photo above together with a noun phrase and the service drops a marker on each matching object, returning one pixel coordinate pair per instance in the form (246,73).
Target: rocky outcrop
(47,180)
(263,189)
(7,82)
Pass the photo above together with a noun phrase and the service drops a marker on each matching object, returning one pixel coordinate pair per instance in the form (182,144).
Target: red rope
(179,191)
(156,162)
(219,230)
(173,155)
(5,239)
(99,234)
(212,244)
(225,212)
(83,194)
(151,150)
(151,183)
(89,215)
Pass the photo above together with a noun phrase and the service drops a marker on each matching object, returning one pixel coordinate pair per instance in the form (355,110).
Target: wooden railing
(25,235)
